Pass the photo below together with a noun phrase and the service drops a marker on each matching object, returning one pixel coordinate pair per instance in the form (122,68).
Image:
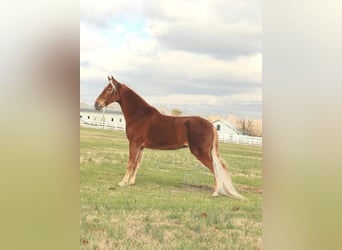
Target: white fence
(101,125)
(240,139)
(226,138)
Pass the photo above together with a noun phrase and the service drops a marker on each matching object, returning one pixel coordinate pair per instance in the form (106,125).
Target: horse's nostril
(97,106)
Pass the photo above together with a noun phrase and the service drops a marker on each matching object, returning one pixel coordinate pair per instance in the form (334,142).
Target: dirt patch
(195,188)
(257,190)
(249,175)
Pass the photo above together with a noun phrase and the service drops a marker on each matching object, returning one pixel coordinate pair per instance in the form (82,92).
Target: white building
(112,118)
(226,128)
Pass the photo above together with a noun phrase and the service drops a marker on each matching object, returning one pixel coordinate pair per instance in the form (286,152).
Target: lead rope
(103,118)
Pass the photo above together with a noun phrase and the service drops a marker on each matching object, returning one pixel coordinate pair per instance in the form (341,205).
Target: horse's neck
(133,106)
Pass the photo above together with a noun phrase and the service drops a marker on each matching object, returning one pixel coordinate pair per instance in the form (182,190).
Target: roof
(107,111)
(228,124)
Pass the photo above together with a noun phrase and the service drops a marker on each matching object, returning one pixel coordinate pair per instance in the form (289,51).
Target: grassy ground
(170,207)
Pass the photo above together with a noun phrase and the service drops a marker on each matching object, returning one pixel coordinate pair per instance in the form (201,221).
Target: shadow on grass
(197,187)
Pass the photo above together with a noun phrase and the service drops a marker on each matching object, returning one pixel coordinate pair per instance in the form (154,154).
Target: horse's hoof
(215,194)
(122,184)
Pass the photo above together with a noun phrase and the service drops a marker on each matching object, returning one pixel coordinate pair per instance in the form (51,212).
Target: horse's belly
(164,145)
(166,135)
(172,147)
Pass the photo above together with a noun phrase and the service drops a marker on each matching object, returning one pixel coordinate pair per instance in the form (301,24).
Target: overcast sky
(203,57)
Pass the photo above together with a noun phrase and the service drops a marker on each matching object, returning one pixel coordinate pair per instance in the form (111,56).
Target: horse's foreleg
(132,161)
(136,167)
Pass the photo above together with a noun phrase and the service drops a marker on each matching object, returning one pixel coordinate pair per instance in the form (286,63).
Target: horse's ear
(109,78)
(115,81)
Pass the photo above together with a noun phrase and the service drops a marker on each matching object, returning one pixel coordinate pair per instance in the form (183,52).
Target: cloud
(223,29)
(221,42)
(100,13)
(189,53)
(244,105)
(183,100)
(211,100)
(90,39)
(178,68)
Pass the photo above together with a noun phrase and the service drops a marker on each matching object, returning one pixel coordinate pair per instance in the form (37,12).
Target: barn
(226,128)
(111,118)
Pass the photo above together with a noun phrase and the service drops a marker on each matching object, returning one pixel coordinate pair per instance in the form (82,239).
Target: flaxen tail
(223,180)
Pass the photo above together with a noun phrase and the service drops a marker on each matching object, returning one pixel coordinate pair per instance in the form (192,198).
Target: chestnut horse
(146,127)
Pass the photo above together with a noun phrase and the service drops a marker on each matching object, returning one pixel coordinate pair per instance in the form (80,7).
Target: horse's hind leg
(204,156)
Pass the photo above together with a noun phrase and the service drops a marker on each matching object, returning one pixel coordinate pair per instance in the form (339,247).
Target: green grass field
(170,207)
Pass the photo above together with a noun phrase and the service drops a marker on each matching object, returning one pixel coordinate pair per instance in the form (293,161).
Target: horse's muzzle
(98,106)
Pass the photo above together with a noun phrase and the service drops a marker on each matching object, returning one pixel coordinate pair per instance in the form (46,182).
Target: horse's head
(109,94)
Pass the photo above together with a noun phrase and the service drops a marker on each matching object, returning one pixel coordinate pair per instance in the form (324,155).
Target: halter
(113,87)
(114,90)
